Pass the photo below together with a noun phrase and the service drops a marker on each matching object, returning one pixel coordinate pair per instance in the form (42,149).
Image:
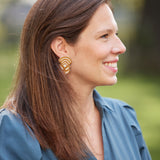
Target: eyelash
(106,35)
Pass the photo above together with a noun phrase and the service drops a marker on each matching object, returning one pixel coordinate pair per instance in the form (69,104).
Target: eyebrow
(106,31)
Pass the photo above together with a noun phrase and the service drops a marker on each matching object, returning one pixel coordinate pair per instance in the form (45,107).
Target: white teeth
(114,64)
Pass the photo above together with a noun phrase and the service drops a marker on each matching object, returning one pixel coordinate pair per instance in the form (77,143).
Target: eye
(105,36)
(117,33)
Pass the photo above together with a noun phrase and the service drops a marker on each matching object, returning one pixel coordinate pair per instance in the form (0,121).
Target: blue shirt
(122,136)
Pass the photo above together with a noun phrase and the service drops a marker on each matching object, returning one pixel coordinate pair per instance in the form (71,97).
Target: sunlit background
(139,68)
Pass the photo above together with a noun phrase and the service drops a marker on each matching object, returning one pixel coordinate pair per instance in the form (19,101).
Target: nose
(118,47)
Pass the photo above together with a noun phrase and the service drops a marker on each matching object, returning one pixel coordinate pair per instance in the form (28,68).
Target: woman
(68,47)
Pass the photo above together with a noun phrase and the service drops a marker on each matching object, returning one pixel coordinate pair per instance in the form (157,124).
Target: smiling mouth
(111,64)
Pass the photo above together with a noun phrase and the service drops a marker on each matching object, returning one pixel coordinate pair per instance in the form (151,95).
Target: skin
(97,46)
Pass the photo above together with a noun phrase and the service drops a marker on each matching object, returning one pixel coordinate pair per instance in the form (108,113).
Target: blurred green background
(139,73)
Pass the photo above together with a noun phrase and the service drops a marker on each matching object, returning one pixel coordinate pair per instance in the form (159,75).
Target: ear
(60,47)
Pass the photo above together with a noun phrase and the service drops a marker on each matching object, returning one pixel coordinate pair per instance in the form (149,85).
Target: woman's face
(95,54)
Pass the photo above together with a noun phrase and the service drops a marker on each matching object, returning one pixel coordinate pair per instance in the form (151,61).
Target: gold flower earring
(65,64)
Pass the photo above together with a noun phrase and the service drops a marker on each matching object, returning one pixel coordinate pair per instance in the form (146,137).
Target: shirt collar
(101,102)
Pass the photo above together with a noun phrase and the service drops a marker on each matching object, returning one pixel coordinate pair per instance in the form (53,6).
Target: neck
(85,101)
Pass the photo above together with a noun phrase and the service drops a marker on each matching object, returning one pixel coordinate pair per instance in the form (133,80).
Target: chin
(110,82)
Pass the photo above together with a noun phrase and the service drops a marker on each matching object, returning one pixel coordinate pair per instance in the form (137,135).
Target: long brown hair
(43,96)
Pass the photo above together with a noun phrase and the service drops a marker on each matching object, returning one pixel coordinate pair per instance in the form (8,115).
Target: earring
(65,64)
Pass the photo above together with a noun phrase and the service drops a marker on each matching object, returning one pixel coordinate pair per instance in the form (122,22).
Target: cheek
(101,52)
(91,52)
(96,49)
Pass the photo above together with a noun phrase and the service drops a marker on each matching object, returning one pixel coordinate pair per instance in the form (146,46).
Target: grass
(141,92)
(8,60)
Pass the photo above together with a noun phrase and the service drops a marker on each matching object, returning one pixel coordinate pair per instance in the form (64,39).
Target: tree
(145,47)
(13,18)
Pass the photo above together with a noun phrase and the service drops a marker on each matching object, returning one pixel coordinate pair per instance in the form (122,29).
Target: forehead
(102,19)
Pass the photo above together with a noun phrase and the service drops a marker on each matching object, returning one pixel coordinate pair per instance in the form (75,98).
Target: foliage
(140,91)
(8,65)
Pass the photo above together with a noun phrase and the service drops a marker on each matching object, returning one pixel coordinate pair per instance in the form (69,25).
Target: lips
(111,64)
